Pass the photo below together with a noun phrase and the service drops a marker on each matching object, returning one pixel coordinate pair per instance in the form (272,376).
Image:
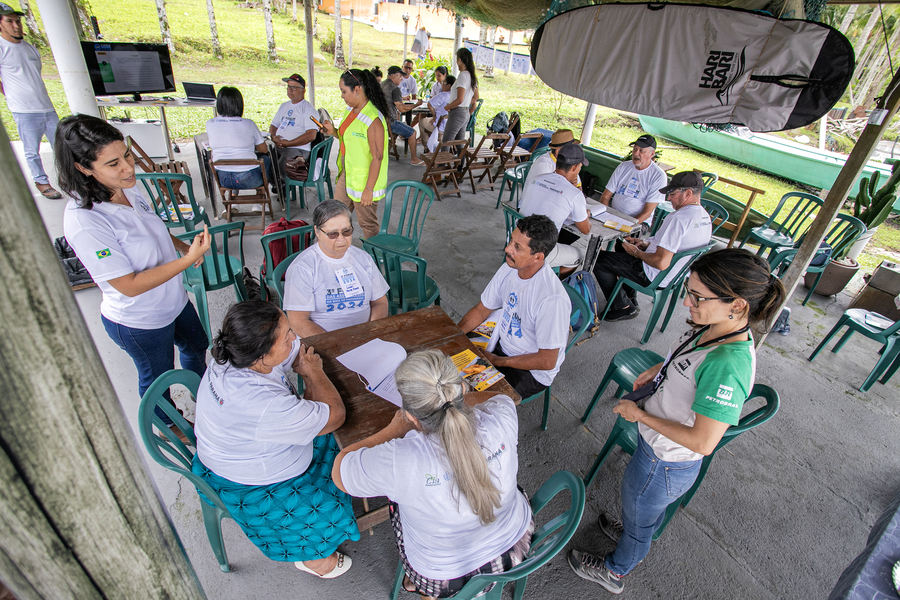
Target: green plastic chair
(219,270)
(855,321)
(623,370)
(417,201)
(295,241)
(791,228)
(473,118)
(294,188)
(510,216)
(844,231)
(659,294)
(167,450)
(540,152)
(578,304)
(716,212)
(161,190)
(515,178)
(624,435)
(409,290)
(546,542)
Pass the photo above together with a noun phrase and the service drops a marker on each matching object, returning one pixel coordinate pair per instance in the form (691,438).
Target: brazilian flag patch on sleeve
(103,253)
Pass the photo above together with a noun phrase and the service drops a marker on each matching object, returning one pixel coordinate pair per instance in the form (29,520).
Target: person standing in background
(26,95)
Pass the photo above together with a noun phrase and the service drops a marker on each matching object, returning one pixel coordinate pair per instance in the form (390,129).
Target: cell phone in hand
(318,124)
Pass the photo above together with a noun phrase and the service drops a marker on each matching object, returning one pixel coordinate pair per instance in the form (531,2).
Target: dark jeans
(612,265)
(522,381)
(245,180)
(153,350)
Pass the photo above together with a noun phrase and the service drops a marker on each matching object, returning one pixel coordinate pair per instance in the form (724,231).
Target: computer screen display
(119,68)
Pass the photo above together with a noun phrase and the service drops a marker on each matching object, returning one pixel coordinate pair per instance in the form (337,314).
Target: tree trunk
(310,57)
(293,11)
(848,18)
(270,30)
(457,44)
(489,71)
(82,13)
(213,30)
(31,23)
(164,25)
(79,514)
(338,37)
(482,39)
(878,72)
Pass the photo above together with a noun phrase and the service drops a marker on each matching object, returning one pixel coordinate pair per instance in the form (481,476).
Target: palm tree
(213,30)
(164,25)
(338,38)
(270,31)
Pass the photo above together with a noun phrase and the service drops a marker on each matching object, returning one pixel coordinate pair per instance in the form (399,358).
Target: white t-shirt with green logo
(713,381)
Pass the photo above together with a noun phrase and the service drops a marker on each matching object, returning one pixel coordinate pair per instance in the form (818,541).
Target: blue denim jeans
(153,350)
(32,128)
(245,180)
(649,486)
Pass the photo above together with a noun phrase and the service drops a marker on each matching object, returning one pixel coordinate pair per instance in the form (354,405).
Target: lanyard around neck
(686,349)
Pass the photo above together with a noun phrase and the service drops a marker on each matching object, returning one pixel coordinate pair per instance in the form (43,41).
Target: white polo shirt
(553,196)
(20,71)
(311,284)
(633,188)
(685,229)
(251,427)
(292,121)
(536,314)
(233,138)
(114,240)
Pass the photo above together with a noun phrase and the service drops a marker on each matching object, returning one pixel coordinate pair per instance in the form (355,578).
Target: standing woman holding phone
(460,97)
(128,251)
(362,167)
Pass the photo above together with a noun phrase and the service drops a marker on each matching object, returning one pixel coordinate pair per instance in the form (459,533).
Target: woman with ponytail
(362,167)
(461,95)
(448,462)
(257,440)
(689,401)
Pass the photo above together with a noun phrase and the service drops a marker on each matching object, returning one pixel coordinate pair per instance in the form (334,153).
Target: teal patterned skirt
(304,518)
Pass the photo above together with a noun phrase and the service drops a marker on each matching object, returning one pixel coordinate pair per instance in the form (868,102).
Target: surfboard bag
(693,63)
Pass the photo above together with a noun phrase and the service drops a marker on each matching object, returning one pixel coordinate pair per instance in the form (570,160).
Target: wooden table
(601,237)
(367,413)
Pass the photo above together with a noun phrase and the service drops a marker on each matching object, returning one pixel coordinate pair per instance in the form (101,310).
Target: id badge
(348,282)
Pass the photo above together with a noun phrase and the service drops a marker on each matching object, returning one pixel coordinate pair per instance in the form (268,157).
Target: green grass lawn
(243,40)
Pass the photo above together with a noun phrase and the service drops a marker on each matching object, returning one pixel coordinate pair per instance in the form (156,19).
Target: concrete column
(589,120)
(66,47)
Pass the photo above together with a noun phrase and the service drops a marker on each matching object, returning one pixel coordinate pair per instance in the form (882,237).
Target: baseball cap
(570,155)
(6,9)
(645,141)
(562,137)
(684,179)
(295,78)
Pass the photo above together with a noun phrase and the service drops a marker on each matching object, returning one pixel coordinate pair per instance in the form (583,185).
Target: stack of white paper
(375,362)
(597,210)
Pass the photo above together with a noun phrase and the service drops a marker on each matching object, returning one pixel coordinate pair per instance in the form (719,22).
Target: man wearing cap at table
(546,163)
(26,95)
(641,261)
(633,186)
(292,131)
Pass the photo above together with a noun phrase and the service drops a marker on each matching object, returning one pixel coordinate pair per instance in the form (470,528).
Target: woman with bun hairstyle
(267,451)
(362,167)
(448,462)
(690,400)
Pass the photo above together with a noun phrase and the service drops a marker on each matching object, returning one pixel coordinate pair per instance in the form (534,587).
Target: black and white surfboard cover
(694,63)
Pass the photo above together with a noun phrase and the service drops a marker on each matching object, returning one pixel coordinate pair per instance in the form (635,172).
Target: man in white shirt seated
(408,86)
(546,163)
(292,131)
(438,118)
(534,327)
(633,186)
(556,196)
(641,261)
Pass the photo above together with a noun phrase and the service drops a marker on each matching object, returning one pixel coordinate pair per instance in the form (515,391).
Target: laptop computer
(199,92)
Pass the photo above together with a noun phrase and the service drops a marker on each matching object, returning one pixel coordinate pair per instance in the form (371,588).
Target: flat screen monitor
(135,69)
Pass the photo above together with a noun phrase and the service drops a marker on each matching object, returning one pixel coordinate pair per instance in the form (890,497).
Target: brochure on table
(485,336)
(477,371)
(375,362)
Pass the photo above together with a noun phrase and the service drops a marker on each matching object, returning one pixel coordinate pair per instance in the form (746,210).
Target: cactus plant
(872,205)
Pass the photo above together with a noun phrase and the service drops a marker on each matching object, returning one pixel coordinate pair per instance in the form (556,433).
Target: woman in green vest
(362,166)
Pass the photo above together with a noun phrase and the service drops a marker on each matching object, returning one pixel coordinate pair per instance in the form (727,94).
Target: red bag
(278,248)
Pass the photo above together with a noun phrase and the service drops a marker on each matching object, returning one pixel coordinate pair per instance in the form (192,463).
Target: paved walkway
(783,508)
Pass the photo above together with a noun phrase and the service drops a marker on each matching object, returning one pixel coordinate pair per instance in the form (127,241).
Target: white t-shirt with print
(553,196)
(233,138)
(443,538)
(251,427)
(20,72)
(408,86)
(536,314)
(113,240)
(633,188)
(292,121)
(685,229)
(311,284)
(545,163)
(464,81)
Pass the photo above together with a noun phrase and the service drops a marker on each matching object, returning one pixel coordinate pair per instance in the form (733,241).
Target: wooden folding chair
(392,145)
(148,165)
(232,197)
(516,154)
(442,166)
(482,159)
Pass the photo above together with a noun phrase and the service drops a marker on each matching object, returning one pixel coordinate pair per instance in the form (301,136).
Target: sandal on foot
(343,565)
(49,193)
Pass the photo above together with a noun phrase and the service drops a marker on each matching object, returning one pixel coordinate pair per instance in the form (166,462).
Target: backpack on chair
(583,283)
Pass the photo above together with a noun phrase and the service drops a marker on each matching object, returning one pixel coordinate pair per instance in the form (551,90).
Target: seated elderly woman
(332,284)
(449,469)
(267,452)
